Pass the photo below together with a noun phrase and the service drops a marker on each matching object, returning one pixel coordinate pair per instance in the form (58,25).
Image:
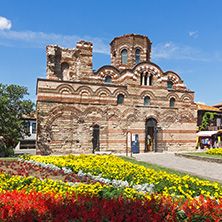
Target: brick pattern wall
(69,107)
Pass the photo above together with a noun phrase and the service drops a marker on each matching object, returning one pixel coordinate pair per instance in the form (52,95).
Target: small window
(169,85)
(108,79)
(150,80)
(146,101)
(172,102)
(124,56)
(141,79)
(137,56)
(33,128)
(120,99)
(146,77)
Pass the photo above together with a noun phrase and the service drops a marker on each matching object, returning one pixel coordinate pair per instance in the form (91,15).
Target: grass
(9,159)
(205,155)
(159,168)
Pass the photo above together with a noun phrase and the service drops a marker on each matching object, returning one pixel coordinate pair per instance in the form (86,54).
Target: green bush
(9,152)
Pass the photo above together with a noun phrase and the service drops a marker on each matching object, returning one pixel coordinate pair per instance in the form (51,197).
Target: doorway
(95,139)
(151,135)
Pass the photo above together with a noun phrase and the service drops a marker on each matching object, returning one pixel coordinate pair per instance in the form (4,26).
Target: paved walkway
(210,171)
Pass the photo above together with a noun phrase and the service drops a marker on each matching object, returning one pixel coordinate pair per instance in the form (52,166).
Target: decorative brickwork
(81,111)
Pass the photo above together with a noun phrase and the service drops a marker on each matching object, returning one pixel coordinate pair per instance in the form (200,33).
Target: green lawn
(8,159)
(159,168)
(205,154)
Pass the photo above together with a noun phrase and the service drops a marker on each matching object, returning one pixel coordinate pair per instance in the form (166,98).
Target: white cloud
(201,103)
(172,50)
(5,23)
(193,34)
(30,39)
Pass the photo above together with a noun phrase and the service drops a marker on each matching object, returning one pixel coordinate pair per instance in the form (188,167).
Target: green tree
(207,117)
(12,108)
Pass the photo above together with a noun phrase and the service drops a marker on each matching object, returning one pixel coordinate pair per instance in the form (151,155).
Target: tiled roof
(218,105)
(31,116)
(205,107)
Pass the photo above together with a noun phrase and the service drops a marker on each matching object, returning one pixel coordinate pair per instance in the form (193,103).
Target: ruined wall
(69,64)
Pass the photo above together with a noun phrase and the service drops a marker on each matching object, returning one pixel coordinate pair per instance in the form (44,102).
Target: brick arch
(172,95)
(58,111)
(131,118)
(113,112)
(169,114)
(137,46)
(173,77)
(65,87)
(147,93)
(84,88)
(185,96)
(103,90)
(108,71)
(186,117)
(147,67)
(129,111)
(122,47)
(150,116)
(93,109)
(120,91)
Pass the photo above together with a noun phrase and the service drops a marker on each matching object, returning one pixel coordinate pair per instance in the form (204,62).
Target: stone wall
(70,103)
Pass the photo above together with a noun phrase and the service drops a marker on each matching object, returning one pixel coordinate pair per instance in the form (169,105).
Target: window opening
(124,56)
(141,79)
(33,128)
(172,102)
(150,80)
(95,139)
(145,79)
(146,101)
(169,85)
(120,99)
(108,79)
(137,56)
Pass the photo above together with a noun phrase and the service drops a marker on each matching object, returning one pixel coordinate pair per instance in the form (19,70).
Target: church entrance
(95,139)
(151,135)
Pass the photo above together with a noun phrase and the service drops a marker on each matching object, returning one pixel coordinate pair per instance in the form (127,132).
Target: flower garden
(215,151)
(101,188)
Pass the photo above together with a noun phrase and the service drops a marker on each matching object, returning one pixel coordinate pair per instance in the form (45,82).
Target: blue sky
(186,37)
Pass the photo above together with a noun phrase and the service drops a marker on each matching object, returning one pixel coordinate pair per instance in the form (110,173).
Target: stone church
(82,111)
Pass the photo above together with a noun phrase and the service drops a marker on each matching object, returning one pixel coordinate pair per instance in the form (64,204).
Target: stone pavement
(207,170)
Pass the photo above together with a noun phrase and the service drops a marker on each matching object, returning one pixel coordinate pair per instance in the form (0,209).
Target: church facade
(82,111)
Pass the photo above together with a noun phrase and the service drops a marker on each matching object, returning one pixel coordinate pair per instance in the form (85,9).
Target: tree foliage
(207,117)
(12,108)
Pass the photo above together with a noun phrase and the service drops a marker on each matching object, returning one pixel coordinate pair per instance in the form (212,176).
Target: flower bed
(35,206)
(108,189)
(215,151)
(112,167)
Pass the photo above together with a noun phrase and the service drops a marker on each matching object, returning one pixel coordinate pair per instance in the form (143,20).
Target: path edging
(202,158)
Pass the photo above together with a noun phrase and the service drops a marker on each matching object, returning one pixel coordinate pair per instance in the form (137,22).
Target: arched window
(150,80)
(145,79)
(141,79)
(108,79)
(169,85)
(172,102)
(124,56)
(120,99)
(146,101)
(137,56)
